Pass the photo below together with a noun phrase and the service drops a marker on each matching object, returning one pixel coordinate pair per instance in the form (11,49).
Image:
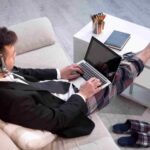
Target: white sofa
(37,48)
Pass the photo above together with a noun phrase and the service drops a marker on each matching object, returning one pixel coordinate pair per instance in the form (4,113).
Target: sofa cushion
(100,137)
(33,34)
(27,139)
(48,57)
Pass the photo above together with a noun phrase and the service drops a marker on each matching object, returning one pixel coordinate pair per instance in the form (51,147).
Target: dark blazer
(34,108)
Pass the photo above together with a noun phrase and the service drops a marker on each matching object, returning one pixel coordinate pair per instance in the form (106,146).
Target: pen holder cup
(98,27)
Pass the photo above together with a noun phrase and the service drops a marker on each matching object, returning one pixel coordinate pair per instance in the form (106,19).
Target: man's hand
(90,88)
(71,72)
(2,124)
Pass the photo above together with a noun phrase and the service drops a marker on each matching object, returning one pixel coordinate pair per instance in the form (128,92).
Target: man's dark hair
(7,37)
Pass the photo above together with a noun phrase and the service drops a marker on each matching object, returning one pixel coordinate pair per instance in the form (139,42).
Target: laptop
(100,62)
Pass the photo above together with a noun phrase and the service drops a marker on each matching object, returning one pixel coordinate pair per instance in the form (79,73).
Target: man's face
(9,56)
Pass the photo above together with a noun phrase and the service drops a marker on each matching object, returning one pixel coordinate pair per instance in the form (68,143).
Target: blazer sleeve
(38,74)
(34,115)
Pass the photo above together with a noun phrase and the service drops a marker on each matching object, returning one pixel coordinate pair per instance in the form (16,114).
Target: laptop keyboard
(89,72)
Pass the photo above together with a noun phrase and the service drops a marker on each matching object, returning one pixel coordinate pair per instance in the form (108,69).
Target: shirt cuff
(58,74)
(81,96)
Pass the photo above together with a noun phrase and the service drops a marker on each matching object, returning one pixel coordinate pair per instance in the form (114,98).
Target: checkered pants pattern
(128,70)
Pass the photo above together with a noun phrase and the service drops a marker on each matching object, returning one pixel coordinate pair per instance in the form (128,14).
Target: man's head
(7,41)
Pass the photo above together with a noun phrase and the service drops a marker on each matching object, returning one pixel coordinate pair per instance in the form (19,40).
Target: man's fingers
(77,69)
(98,89)
(92,79)
(97,85)
(96,81)
(74,76)
(75,65)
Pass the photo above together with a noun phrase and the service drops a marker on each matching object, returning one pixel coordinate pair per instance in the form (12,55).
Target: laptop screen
(102,58)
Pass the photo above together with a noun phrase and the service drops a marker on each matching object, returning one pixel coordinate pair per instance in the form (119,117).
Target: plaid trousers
(129,68)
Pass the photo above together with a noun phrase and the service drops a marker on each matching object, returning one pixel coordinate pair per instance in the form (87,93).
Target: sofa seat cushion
(105,143)
(99,139)
(33,34)
(47,57)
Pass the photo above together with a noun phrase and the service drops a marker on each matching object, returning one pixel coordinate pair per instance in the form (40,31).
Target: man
(25,102)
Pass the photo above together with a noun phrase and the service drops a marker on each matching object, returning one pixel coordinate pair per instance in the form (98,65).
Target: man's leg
(128,70)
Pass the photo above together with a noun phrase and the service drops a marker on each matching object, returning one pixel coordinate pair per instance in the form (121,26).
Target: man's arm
(70,72)
(35,115)
(39,74)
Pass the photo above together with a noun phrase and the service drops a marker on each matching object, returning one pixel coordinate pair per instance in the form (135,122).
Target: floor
(70,16)
(118,111)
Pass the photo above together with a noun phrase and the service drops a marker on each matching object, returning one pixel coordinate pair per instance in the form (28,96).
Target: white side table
(140,37)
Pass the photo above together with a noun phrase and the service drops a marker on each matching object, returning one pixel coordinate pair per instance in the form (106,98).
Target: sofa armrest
(33,34)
